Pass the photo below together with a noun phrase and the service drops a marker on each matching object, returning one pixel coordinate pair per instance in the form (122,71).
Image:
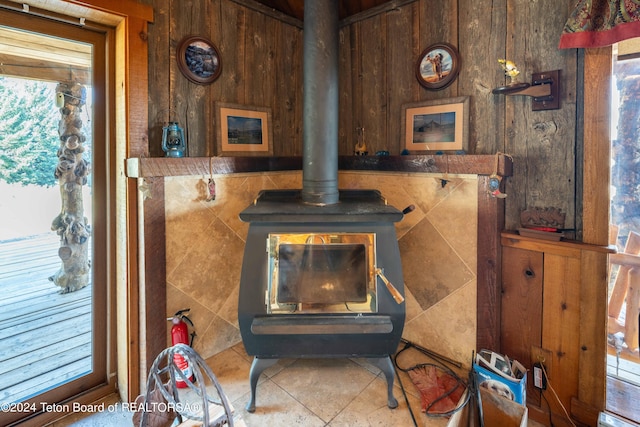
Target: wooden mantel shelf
(568,247)
(146,167)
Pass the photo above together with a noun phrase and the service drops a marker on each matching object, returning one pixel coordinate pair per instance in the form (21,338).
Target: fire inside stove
(321,273)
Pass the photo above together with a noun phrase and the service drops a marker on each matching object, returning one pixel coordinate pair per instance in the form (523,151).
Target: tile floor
(302,392)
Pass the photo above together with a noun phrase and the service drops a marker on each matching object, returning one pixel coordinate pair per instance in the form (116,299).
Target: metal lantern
(173,142)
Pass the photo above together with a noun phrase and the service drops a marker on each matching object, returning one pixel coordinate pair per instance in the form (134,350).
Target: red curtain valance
(598,23)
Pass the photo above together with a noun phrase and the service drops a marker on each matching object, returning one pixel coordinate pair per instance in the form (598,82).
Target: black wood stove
(321,281)
(321,273)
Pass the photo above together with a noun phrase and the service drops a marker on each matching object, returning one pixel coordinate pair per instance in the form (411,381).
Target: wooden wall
(262,66)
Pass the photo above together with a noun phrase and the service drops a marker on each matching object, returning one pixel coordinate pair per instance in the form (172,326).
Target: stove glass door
(321,273)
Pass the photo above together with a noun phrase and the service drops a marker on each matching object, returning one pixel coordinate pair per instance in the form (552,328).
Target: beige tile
(232,372)
(229,310)
(431,268)
(210,271)
(456,219)
(287,180)
(450,336)
(324,385)
(219,336)
(370,408)
(276,407)
(236,193)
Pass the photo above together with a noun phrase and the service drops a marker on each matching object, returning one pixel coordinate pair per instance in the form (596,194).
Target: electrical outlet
(544,356)
(539,378)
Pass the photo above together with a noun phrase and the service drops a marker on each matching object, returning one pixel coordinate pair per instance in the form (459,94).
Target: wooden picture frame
(243,130)
(437,125)
(198,59)
(438,66)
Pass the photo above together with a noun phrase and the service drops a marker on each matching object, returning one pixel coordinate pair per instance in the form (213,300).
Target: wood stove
(313,281)
(321,274)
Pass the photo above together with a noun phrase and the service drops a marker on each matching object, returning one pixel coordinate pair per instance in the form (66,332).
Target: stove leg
(257,367)
(386,366)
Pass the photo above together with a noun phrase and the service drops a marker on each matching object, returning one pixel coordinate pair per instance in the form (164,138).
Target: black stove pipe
(320,105)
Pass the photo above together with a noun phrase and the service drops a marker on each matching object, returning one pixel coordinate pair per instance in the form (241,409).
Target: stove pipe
(320,105)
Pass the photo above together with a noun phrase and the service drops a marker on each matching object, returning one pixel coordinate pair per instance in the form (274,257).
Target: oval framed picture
(438,66)
(198,59)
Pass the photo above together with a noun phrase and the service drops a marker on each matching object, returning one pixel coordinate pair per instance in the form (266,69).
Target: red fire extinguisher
(180,335)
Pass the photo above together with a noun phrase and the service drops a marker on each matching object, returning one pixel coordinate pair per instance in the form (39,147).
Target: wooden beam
(37,69)
(267,11)
(369,13)
(593,293)
(489,271)
(451,164)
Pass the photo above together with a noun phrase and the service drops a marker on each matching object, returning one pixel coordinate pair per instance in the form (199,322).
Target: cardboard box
(496,410)
(512,390)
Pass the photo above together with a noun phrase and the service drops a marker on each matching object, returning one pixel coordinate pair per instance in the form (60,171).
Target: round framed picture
(198,59)
(438,66)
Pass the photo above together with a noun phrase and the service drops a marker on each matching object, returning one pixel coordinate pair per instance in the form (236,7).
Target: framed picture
(438,125)
(243,130)
(198,60)
(438,66)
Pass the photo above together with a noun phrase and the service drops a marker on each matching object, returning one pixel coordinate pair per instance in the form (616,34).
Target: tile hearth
(302,392)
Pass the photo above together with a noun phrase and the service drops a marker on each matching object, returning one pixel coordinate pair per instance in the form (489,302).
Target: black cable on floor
(548,406)
(404,393)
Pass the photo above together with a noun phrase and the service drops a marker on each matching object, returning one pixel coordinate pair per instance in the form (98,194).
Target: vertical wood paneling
(542,142)
(159,52)
(593,329)
(257,63)
(189,102)
(400,74)
(561,320)
(481,41)
(357,100)
(438,24)
(521,314)
(347,73)
(233,28)
(287,111)
(374,89)
(261,63)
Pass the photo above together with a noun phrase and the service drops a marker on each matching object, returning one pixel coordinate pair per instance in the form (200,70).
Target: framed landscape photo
(438,125)
(244,130)
(438,66)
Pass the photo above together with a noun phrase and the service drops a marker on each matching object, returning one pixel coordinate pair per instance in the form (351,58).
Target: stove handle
(392,289)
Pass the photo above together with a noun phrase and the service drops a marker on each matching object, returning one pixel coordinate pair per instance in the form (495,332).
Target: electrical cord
(404,393)
(549,406)
(544,372)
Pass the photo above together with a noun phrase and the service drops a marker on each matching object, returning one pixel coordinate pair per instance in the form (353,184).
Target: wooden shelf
(565,246)
(446,163)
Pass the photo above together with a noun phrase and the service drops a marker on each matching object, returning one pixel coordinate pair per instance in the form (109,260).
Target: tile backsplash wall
(205,244)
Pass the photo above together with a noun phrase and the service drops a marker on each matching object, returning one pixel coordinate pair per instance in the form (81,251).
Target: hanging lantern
(173,142)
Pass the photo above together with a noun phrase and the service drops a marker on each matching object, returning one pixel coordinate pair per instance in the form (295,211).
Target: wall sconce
(173,142)
(544,89)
